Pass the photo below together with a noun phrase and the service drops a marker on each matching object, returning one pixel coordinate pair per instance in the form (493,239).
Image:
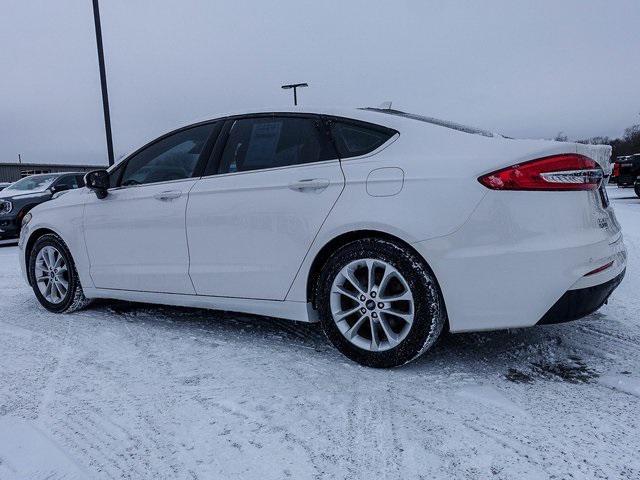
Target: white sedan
(387,227)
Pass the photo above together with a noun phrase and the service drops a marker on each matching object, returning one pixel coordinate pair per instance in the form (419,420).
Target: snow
(144,392)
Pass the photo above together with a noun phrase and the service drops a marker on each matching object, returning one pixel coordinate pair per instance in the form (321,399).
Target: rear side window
(355,139)
(269,142)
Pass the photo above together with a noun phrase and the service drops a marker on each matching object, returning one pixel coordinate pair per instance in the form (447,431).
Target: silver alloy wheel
(372,304)
(52,274)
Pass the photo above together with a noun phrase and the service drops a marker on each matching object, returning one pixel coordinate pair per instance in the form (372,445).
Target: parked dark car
(20,197)
(636,187)
(627,169)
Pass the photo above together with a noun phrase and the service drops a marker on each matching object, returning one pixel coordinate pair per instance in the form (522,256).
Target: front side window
(269,142)
(173,158)
(355,139)
(69,181)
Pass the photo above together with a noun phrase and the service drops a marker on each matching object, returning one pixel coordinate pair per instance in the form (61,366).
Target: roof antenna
(385,105)
(295,87)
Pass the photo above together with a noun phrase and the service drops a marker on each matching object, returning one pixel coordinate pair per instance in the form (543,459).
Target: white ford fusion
(386,227)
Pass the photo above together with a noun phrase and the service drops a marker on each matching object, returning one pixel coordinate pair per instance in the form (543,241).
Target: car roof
(387,117)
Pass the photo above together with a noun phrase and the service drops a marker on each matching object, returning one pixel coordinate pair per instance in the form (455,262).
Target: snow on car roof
(432,120)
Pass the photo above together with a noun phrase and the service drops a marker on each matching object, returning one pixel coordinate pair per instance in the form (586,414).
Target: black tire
(429,310)
(74,299)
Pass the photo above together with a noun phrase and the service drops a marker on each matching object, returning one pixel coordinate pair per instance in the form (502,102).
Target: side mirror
(98,181)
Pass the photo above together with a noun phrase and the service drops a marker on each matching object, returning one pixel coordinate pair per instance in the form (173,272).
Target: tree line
(628,144)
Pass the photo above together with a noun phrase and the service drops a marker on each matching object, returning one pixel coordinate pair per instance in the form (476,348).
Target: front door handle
(168,195)
(309,184)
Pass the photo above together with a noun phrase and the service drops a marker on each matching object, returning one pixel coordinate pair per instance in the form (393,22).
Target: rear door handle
(168,195)
(309,184)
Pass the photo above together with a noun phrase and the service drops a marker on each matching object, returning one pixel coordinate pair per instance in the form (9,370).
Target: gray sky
(525,69)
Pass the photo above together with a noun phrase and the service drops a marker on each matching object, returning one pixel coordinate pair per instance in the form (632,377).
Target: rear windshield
(434,121)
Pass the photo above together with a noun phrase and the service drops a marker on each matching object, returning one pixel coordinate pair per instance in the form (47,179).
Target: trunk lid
(599,153)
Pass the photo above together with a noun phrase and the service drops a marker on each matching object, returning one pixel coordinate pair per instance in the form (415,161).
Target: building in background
(10,172)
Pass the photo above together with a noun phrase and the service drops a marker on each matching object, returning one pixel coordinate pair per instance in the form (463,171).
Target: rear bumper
(519,253)
(626,180)
(575,304)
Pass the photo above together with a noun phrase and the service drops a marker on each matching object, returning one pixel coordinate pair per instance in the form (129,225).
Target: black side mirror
(98,181)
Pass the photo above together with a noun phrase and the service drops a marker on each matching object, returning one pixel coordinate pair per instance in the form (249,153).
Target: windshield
(34,182)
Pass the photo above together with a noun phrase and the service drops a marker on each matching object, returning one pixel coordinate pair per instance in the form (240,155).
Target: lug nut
(380,305)
(374,314)
(362,298)
(363,310)
(373,294)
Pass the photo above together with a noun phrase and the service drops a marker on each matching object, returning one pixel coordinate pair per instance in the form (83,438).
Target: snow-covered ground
(141,392)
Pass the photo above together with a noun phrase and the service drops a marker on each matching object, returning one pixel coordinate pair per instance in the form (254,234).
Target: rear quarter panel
(438,193)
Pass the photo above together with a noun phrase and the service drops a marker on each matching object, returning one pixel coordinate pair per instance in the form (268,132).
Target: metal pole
(295,87)
(103,82)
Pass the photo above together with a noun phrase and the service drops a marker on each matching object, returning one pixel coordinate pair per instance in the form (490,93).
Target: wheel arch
(33,238)
(339,241)
(24,210)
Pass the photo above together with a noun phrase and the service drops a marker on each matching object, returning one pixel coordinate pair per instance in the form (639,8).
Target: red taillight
(616,170)
(599,269)
(557,172)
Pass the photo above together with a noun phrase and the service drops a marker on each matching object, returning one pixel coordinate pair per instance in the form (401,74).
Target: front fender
(65,221)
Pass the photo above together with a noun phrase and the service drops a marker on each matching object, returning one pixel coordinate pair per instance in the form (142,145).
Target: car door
(251,220)
(135,236)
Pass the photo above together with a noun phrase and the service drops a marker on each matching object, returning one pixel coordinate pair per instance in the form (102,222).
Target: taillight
(557,172)
(599,269)
(616,170)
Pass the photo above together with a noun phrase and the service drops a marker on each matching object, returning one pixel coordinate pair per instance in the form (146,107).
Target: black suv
(20,197)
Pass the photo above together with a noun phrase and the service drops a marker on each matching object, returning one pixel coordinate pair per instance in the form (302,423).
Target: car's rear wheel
(53,276)
(379,303)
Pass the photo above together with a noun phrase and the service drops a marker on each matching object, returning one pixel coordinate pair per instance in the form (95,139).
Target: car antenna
(295,87)
(385,105)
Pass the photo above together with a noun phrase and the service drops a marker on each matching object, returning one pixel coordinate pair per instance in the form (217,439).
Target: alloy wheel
(52,274)
(372,304)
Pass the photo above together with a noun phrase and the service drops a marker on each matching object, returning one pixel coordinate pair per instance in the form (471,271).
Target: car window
(70,181)
(35,182)
(354,139)
(114,174)
(173,158)
(268,142)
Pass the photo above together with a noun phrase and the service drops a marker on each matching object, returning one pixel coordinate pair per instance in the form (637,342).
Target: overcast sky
(524,69)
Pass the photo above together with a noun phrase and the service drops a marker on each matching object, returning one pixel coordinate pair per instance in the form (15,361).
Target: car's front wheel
(53,276)
(379,303)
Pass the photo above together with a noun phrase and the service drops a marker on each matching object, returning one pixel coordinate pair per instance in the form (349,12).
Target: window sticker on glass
(263,144)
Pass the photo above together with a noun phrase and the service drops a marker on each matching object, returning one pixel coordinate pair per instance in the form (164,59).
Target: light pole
(295,87)
(103,81)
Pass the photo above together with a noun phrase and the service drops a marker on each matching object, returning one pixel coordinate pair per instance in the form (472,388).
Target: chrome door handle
(168,195)
(309,184)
